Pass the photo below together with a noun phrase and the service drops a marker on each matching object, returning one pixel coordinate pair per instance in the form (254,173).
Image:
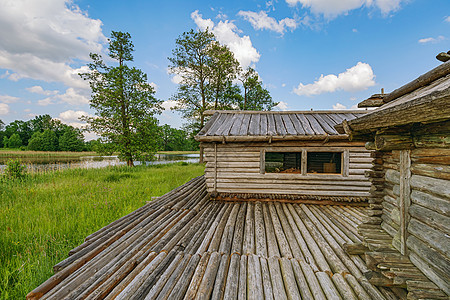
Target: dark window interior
(283,162)
(324,162)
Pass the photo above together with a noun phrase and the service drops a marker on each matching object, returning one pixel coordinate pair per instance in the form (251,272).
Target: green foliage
(44,217)
(14,141)
(5,142)
(49,140)
(191,60)
(124,102)
(172,139)
(14,169)
(35,143)
(207,71)
(255,96)
(71,140)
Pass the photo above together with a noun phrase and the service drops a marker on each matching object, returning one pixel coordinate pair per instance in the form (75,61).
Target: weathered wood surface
(200,249)
(262,126)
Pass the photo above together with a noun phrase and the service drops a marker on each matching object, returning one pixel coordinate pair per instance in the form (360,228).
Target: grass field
(46,215)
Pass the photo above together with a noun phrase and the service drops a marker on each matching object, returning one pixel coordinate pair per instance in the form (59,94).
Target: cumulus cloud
(8,99)
(72,115)
(282,105)
(228,34)
(333,8)
(262,21)
(42,39)
(37,89)
(4,109)
(431,40)
(71,96)
(339,106)
(169,104)
(357,78)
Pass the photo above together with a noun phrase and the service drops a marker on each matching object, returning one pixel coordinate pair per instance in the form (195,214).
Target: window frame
(345,164)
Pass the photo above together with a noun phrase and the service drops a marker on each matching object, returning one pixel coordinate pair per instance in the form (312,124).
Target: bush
(15,170)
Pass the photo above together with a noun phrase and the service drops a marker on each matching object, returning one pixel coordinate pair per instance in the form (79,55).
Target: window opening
(283,162)
(324,162)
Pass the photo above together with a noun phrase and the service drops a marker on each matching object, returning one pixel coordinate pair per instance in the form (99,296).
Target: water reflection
(58,163)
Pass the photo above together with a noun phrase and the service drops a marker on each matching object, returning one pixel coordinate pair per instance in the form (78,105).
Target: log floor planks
(184,246)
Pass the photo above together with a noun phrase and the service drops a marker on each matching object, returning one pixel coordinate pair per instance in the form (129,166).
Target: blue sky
(319,54)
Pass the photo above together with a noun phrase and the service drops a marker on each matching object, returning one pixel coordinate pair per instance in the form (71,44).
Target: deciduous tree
(124,102)
(255,96)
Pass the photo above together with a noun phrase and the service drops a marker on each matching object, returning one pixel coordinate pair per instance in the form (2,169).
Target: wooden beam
(268,138)
(405,197)
(438,72)
(426,109)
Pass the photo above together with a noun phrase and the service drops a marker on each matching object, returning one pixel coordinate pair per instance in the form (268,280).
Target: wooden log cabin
(284,155)
(410,133)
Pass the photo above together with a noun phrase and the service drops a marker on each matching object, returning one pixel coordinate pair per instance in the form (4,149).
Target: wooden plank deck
(182,245)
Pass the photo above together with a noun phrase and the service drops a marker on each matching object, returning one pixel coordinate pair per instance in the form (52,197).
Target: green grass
(16,153)
(46,215)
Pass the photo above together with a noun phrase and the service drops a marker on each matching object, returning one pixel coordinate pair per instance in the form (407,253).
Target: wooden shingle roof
(182,245)
(261,125)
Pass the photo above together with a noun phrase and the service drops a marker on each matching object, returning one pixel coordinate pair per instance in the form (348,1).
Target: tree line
(43,133)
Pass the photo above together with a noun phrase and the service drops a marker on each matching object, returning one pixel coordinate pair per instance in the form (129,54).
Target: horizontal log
(430,217)
(429,272)
(435,203)
(385,142)
(432,170)
(295,182)
(267,138)
(254,174)
(433,185)
(435,239)
(289,187)
(340,146)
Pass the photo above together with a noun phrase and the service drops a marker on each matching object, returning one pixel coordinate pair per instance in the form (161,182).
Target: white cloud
(72,115)
(283,85)
(46,101)
(262,21)
(42,39)
(333,8)
(282,105)
(8,99)
(154,86)
(228,34)
(169,104)
(73,97)
(431,40)
(4,109)
(447,19)
(357,78)
(354,30)
(339,106)
(37,89)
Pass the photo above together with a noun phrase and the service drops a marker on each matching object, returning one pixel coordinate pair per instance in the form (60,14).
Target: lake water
(44,164)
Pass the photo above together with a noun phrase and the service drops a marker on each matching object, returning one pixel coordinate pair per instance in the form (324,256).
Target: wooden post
(262,162)
(405,197)
(215,167)
(346,163)
(201,154)
(304,162)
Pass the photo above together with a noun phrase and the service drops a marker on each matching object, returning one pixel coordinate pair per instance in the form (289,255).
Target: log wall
(240,170)
(416,209)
